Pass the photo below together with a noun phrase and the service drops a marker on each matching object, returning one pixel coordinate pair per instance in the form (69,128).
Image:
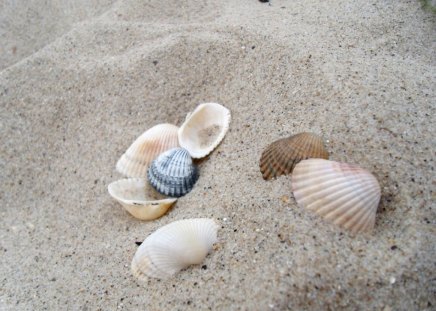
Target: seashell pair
(139,198)
(341,193)
(174,247)
(281,156)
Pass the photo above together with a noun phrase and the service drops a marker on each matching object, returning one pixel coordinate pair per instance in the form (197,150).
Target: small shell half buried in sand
(174,247)
(204,129)
(173,173)
(158,139)
(281,156)
(342,193)
(139,198)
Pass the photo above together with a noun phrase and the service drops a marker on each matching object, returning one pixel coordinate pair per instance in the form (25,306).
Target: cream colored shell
(174,247)
(204,129)
(138,197)
(158,139)
(342,193)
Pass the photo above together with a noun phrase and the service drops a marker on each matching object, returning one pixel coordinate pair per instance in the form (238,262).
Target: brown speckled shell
(281,156)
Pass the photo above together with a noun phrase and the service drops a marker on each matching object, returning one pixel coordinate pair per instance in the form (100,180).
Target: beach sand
(78,84)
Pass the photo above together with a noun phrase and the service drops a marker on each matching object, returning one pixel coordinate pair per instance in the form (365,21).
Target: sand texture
(79,83)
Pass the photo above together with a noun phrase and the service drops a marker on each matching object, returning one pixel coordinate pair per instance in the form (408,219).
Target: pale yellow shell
(204,129)
(342,193)
(158,139)
(139,198)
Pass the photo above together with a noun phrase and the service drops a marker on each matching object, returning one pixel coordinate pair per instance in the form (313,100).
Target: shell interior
(204,129)
(158,139)
(342,193)
(280,157)
(174,247)
(139,198)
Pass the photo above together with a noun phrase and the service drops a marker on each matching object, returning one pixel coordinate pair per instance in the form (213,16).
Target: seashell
(342,193)
(204,129)
(174,247)
(139,198)
(158,139)
(173,173)
(281,156)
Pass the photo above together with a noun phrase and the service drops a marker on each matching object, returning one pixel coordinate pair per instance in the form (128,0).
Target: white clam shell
(174,247)
(204,129)
(139,198)
(158,139)
(342,193)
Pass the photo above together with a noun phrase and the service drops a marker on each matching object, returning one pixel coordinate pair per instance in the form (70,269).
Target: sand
(80,82)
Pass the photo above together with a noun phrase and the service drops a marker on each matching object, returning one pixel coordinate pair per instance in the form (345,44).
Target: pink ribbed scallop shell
(342,193)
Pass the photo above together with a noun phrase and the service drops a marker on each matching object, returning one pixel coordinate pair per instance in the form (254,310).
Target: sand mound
(361,75)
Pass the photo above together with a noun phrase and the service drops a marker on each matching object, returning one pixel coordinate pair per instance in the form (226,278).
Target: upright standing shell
(139,198)
(204,129)
(158,139)
(173,173)
(281,156)
(174,247)
(344,194)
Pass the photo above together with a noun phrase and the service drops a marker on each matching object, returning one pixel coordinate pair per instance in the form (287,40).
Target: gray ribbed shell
(173,173)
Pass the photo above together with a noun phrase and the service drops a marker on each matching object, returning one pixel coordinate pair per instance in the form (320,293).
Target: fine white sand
(79,82)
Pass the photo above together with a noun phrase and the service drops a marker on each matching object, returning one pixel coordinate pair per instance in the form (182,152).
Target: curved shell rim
(136,202)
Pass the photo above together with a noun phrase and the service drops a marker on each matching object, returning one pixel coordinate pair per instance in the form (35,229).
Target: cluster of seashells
(344,194)
(159,164)
(160,168)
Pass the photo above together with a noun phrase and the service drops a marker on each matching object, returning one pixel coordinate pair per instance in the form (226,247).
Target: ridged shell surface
(174,247)
(173,173)
(281,156)
(140,199)
(158,139)
(204,129)
(342,193)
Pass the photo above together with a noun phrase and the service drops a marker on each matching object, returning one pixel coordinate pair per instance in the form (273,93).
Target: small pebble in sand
(285,199)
